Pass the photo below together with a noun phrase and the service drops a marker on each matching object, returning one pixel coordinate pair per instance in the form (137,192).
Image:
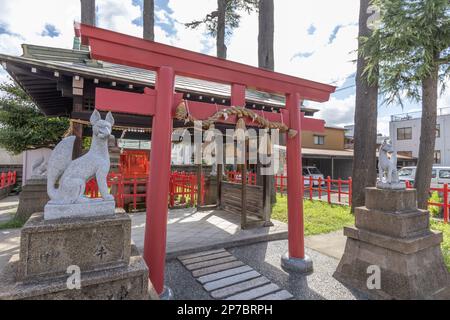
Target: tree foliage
(409,55)
(22,125)
(412,39)
(232,17)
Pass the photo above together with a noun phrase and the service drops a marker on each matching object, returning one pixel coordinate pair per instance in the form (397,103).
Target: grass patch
(12,224)
(445,229)
(320,217)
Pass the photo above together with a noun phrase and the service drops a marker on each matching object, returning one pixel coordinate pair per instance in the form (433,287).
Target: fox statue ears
(96,117)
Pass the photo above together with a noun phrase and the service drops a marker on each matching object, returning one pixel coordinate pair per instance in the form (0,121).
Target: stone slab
(206,258)
(215,269)
(127,283)
(223,274)
(255,293)
(401,245)
(391,186)
(88,209)
(281,295)
(237,288)
(48,248)
(200,254)
(407,225)
(209,263)
(215,285)
(391,200)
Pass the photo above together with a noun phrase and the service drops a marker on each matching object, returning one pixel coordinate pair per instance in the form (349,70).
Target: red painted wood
(446,204)
(238,95)
(159,179)
(295,183)
(132,51)
(310,124)
(125,102)
(143,104)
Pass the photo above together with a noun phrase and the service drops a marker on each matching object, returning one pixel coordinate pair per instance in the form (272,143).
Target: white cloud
(337,112)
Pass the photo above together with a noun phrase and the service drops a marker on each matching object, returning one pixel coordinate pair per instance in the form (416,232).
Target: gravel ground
(265,258)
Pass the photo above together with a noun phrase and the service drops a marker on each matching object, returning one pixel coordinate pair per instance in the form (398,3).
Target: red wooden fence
(8,179)
(314,188)
(445,205)
(236,177)
(183,189)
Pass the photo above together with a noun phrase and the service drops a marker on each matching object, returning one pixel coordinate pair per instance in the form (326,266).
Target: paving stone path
(226,278)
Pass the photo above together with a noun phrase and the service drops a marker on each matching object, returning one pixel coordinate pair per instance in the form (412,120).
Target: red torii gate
(161,103)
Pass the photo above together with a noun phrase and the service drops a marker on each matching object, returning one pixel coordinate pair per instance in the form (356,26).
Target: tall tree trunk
(88,12)
(266,60)
(366,114)
(221,26)
(149,20)
(266,35)
(427,138)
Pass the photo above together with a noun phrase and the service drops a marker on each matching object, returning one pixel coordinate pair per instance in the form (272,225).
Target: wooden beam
(126,102)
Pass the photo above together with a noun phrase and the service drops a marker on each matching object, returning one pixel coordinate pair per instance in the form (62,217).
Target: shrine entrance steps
(226,278)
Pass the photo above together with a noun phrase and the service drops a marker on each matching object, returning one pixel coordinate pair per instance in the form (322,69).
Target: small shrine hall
(152,90)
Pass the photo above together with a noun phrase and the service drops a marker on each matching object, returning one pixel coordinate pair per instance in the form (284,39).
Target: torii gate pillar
(295,260)
(158,182)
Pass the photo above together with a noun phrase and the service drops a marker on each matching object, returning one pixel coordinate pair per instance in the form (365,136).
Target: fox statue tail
(59,161)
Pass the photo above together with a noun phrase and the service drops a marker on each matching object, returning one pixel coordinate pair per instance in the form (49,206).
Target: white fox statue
(71,175)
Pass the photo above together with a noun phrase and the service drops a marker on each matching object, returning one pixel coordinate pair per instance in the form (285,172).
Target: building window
(404,133)
(406,153)
(319,140)
(437,157)
(438,131)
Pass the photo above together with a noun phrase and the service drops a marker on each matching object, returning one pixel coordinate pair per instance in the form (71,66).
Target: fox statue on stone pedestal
(72,175)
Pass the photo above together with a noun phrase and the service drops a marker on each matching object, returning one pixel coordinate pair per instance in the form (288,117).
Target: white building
(405,133)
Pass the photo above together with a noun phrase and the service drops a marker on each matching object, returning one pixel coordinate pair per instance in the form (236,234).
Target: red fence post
(193,184)
(329,189)
(320,188)
(446,204)
(350,191)
(340,190)
(311,182)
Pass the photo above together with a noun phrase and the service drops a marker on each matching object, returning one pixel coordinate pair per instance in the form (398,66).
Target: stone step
(240,287)
(281,295)
(223,274)
(224,277)
(219,284)
(214,269)
(200,254)
(206,258)
(255,293)
(209,263)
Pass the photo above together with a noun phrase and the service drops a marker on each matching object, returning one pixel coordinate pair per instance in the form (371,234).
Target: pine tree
(409,56)
(220,23)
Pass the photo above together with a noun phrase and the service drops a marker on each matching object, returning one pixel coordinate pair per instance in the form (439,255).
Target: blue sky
(314,39)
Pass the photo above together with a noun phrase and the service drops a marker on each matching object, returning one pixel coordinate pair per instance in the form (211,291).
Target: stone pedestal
(33,198)
(392,234)
(111,267)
